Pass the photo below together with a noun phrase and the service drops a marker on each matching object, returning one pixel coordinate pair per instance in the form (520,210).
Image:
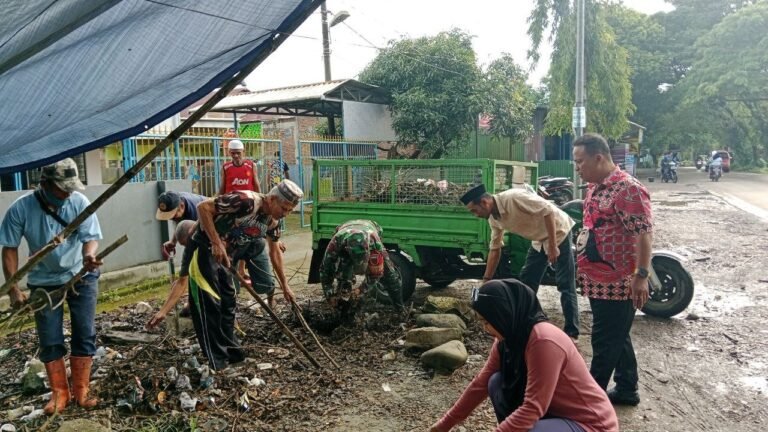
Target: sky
(498,26)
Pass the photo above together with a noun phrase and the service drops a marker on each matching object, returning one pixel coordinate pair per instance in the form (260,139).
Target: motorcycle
(669,172)
(557,189)
(670,285)
(699,164)
(715,172)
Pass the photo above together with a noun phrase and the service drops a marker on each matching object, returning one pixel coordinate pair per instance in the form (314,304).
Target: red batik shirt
(617,211)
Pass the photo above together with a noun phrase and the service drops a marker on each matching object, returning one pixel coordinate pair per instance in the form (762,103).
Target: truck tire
(407,273)
(676,292)
(438,282)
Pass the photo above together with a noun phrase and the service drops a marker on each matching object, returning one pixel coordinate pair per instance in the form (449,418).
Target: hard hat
(235,145)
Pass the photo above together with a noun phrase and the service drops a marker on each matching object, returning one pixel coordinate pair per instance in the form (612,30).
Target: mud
(704,370)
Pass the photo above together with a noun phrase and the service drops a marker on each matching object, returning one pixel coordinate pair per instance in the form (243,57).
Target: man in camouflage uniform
(356,249)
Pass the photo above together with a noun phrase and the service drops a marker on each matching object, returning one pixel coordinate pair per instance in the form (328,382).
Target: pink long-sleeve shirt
(559,385)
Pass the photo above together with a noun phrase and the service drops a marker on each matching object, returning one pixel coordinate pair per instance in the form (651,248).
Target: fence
(331,150)
(556,168)
(489,147)
(197,159)
(416,182)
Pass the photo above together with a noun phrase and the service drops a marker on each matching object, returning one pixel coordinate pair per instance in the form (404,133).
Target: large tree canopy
(438,91)
(609,92)
(433,83)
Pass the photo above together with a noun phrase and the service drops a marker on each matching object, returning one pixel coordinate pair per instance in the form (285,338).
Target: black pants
(214,319)
(565,273)
(612,351)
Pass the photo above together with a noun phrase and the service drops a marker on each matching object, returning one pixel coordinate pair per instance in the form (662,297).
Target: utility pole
(327,60)
(579,121)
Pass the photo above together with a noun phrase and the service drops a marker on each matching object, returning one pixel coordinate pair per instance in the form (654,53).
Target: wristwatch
(641,272)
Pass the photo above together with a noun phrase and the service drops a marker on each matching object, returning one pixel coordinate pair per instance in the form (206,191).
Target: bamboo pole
(275,318)
(276,38)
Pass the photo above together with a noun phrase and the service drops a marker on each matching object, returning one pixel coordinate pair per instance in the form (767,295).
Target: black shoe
(617,397)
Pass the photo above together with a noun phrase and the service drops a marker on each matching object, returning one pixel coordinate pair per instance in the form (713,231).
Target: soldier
(356,249)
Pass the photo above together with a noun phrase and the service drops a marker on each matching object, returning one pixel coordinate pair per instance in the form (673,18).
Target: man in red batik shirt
(614,257)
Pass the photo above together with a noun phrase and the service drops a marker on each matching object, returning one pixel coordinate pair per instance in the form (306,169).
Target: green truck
(429,233)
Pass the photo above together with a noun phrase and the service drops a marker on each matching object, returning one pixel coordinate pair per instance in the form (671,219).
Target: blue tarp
(79,74)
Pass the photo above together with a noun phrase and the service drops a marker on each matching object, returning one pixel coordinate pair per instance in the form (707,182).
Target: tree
(508,99)
(609,92)
(730,75)
(433,81)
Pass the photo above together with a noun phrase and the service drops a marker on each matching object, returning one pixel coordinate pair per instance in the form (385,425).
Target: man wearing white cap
(38,217)
(227,224)
(239,173)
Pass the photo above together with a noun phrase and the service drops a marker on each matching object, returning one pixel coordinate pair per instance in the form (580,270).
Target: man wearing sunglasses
(547,227)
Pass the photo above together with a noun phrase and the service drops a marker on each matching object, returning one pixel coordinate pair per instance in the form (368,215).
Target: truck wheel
(438,282)
(676,290)
(407,273)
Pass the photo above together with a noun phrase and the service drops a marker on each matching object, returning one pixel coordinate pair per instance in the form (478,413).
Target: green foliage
(508,99)
(729,79)
(433,82)
(321,128)
(609,92)
(438,91)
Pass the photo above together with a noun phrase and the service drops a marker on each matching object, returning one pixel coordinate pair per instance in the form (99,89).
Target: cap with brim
(64,175)
(167,203)
(473,194)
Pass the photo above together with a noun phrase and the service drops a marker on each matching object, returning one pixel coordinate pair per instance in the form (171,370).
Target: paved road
(748,192)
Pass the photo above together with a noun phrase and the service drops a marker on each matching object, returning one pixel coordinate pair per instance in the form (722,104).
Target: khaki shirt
(522,213)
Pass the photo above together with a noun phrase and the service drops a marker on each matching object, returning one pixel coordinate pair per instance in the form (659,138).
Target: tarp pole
(277,39)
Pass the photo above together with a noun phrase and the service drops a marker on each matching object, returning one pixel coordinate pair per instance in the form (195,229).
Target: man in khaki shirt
(546,226)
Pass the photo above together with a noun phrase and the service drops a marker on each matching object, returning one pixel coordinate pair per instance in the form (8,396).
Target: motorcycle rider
(666,163)
(716,166)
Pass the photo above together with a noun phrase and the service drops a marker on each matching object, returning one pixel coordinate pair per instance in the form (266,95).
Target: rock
(82,425)
(425,338)
(143,308)
(663,378)
(475,358)
(128,338)
(33,381)
(192,349)
(445,358)
(214,425)
(692,316)
(440,321)
(7,428)
(187,403)
(452,305)
(185,326)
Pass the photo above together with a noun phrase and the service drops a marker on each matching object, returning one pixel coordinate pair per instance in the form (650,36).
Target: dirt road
(704,370)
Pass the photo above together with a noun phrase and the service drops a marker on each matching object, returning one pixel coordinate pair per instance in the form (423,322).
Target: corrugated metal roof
(295,96)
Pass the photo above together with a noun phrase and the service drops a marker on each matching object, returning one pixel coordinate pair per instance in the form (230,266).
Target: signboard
(579,117)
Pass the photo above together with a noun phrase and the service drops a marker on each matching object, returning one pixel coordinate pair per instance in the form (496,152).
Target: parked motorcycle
(715,172)
(557,189)
(670,284)
(669,172)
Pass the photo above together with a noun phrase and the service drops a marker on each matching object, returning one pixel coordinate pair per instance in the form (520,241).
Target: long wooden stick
(275,318)
(297,311)
(70,285)
(275,38)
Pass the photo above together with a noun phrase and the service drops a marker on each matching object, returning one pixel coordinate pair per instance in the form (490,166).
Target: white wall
(367,122)
(130,211)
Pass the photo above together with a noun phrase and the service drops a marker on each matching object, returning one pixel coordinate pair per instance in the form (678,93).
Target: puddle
(756,383)
(707,304)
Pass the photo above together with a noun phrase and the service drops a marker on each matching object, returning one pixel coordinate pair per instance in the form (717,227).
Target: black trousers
(565,273)
(214,319)
(612,351)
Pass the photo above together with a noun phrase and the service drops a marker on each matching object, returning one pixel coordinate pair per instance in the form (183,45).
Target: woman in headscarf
(534,375)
